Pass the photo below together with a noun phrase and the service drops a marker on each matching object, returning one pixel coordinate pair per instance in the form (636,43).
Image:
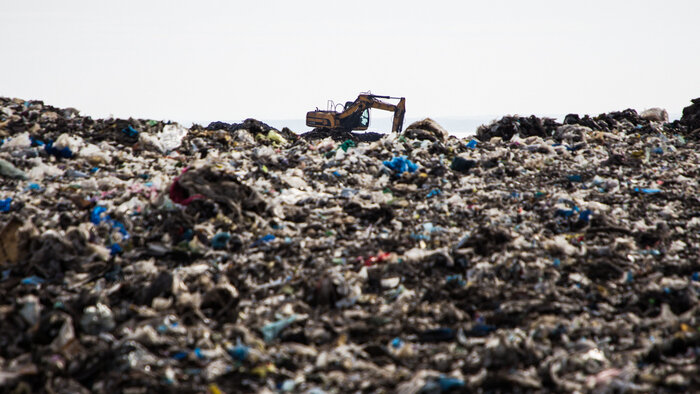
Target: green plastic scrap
(347,145)
(9,170)
(275,137)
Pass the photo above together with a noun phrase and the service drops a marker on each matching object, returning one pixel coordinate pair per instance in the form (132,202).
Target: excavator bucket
(399,113)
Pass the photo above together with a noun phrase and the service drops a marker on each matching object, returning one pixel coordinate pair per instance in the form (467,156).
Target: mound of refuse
(142,256)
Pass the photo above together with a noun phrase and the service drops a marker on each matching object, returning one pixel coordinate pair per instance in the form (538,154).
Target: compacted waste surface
(142,256)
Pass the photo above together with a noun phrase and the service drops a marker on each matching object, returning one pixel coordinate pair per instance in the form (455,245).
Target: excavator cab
(355,114)
(361,123)
(364,119)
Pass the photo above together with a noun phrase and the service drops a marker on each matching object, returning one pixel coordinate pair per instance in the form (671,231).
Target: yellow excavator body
(355,114)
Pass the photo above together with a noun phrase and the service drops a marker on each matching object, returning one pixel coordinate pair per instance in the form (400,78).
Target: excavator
(355,114)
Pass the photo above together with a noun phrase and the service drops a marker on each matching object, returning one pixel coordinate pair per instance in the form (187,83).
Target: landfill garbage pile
(142,256)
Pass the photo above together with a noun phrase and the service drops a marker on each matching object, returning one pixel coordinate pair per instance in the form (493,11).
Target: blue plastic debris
(33,186)
(5,204)
(419,237)
(272,330)
(428,228)
(567,213)
(480,330)
(188,235)
(239,352)
(96,215)
(448,383)
(263,240)
(36,142)
(32,280)
(401,164)
(120,227)
(574,178)
(556,262)
(629,278)
(434,192)
(396,343)
(219,241)
(337,174)
(472,144)
(696,276)
(585,215)
(163,328)
(456,279)
(180,355)
(130,131)
(647,191)
(64,152)
(658,151)
(115,249)
(198,353)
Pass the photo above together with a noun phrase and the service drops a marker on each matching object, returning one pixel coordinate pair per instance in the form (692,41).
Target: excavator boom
(355,116)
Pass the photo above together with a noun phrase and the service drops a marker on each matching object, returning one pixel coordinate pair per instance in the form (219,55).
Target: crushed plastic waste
(647,190)
(239,353)
(130,131)
(401,164)
(63,152)
(6,204)
(7,169)
(272,330)
(347,144)
(220,240)
(536,256)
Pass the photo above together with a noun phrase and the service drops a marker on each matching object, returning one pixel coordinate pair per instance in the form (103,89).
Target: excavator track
(340,134)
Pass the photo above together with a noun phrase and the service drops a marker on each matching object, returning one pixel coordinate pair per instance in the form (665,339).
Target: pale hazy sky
(211,60)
